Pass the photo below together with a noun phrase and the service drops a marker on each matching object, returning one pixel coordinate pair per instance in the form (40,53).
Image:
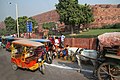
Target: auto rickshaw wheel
(108,71)
(49,60)
(42,69)
(14,66)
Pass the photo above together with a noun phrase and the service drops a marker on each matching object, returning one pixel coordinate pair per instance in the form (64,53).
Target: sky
(35,7)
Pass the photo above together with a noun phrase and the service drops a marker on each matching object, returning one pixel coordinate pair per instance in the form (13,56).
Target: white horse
(83,54)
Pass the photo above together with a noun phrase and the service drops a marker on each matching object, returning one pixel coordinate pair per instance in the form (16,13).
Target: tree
(3,32)
(73,14)
(88,15)
(10,24)
(49,25)
(34,23)
(23,23)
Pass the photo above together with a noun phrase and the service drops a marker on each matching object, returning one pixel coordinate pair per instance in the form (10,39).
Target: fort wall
(104,14)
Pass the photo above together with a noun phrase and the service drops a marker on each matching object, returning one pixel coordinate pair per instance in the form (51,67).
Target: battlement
(106,6)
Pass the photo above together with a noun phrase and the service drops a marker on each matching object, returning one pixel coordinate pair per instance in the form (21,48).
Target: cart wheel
(42,69)
(14,66)
(108,71)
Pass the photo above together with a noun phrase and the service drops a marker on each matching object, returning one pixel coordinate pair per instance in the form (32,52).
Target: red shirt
(52,40)
(8,45)
(47,48)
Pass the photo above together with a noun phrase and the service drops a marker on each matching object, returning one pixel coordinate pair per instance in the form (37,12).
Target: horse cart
(108,60)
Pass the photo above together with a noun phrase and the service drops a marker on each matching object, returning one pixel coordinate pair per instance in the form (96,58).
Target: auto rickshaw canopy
(28,43)
(40,40)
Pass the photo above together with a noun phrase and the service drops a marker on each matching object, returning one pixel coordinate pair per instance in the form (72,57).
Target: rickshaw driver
(40,52)
(46,47)
(30,51)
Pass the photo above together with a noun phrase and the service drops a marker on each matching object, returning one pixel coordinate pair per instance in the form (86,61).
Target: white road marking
(70,68)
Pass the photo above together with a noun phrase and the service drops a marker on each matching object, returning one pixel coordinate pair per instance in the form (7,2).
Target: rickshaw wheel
(108,71)
(49,60)
(14,66)
(42,69)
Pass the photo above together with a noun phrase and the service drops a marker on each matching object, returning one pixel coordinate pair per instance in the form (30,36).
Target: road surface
(59,70)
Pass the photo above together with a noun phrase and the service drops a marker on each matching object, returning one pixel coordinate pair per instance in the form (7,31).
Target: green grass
(93,33)
(99,31)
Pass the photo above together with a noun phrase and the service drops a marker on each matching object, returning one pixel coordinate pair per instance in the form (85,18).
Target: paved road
(53,72)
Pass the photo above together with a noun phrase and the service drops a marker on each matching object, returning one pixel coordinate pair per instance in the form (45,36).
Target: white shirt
(62,38)
(56,42)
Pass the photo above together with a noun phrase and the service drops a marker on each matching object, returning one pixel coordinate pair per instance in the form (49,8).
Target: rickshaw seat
(17,55)
(32,58)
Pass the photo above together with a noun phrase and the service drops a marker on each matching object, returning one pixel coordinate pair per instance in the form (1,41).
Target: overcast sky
(34,7)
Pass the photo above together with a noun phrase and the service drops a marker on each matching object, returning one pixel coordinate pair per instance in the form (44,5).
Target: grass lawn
(94,33)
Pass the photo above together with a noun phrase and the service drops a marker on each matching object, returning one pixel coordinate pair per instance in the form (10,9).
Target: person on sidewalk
(62,40)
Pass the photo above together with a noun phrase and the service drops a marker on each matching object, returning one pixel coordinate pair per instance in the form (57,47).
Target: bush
(83,36)
(112,26)
(49,25)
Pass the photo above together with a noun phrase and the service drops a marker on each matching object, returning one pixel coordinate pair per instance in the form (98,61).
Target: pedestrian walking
(62,40)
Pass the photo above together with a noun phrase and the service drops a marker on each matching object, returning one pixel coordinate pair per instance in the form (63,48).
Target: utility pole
(17,20)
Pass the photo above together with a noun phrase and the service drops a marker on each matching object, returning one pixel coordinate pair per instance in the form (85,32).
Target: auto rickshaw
(6,40)
(48,48)
(27,54)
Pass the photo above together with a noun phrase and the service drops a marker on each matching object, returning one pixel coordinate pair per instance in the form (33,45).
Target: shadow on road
(87,69)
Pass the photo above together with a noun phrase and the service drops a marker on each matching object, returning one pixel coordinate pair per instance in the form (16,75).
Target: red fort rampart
(104,14)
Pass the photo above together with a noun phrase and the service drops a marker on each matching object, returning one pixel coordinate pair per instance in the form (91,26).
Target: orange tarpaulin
(110,39)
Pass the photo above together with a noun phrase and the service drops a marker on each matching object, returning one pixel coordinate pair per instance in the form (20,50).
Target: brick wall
(103,14)
(50,16)
(89,43)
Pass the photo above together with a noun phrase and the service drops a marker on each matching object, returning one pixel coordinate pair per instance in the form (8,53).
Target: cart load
(110,39)
(110,42)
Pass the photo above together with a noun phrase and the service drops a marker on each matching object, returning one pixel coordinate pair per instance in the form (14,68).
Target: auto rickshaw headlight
(40,59)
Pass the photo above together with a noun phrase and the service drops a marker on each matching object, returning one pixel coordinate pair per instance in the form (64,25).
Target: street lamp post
(17,19)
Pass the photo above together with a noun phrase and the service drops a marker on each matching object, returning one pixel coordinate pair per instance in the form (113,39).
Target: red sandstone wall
(89,43)
(50,16)
(103,14)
